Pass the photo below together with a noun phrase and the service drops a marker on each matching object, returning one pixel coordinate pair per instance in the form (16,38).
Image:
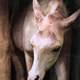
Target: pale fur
(30,28)
(54,26)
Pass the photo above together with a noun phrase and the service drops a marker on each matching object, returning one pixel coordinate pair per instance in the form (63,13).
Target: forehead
(48,29)
(45,40)
(50,19)
(49,22)
(45,33)
(48,42)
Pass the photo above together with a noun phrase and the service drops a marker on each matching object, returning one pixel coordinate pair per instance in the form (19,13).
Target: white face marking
(44,42)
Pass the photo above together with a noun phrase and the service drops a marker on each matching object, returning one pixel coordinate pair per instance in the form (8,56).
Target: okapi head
(48,40)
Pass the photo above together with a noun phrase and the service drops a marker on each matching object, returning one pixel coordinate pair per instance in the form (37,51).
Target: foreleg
(62,68)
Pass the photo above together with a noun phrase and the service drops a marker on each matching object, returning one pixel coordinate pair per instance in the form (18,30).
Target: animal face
(47,43)
(48,40)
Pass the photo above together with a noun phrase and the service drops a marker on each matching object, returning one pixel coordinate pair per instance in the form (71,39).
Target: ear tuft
(38,18)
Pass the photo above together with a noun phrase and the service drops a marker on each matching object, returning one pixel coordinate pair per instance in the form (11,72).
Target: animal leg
(62,68)
(29,59)
(20,71)
(18,67)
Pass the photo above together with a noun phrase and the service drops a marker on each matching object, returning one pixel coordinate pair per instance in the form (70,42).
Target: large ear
(73,21)
(38,13)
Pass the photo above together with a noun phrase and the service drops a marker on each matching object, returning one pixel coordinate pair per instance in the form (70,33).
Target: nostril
(37,78)
(29,78)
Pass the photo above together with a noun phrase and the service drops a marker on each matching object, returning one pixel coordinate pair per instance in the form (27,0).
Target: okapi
(45,37)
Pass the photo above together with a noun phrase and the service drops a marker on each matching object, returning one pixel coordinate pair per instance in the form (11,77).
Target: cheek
(51,61)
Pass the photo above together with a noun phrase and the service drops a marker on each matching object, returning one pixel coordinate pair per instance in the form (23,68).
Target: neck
(61,8)
(51,6)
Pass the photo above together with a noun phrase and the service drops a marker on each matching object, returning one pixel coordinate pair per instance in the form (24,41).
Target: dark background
(72,5)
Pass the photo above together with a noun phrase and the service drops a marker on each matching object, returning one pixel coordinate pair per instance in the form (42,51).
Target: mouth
(36,78)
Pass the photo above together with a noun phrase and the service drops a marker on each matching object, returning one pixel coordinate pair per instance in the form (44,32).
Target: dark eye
(32,46)
(56,49)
